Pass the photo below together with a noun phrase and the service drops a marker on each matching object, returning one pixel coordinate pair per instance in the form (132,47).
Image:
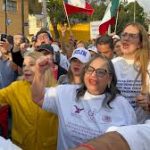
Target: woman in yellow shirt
(32,127)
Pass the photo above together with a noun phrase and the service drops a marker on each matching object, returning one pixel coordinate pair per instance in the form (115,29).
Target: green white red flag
(78,6)
(109,16)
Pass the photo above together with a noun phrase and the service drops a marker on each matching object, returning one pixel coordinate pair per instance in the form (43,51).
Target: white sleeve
(137,136)
(7,145)
(50,100)
(130,114)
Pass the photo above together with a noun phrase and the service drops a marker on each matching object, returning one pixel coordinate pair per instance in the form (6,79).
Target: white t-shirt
(7,145)
(137,136)
(129,87)
(84,119)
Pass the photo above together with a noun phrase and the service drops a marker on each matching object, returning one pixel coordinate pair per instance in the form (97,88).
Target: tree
(126,15)
(57,16)
(99,11)
(56,13)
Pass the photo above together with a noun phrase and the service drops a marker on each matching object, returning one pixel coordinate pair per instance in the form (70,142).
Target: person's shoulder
(19,83)
(67,87)
(121,100)
(63,77)
(116,59)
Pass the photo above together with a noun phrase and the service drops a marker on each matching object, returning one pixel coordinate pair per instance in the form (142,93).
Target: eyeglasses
(129,36)
(100,72)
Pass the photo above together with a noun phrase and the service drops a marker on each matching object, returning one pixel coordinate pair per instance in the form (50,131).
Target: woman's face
(96,77)
(130,41)
(117,48)
(29,68)
(76,67)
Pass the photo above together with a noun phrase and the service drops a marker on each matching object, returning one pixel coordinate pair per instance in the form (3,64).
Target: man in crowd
(104,45)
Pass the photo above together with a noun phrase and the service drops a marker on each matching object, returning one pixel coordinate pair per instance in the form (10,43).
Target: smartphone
(10,39)
(3,37)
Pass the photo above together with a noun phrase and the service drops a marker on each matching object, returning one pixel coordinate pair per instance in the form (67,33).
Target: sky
(143,3)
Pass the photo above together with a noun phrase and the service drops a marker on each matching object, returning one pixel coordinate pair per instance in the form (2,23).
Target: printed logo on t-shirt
(91,115)
(77,109)
(107,119)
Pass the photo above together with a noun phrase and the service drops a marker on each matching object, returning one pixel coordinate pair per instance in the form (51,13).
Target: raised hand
(63,30)
(42,64)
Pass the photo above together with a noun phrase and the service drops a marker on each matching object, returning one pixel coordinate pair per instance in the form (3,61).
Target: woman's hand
(143,100)
(42,64)
(38,84)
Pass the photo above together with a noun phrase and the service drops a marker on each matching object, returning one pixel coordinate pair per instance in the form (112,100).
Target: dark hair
(110,92)
(43,30)
(45,47)
(105,39)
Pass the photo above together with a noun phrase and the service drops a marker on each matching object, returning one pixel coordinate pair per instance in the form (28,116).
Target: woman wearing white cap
(85,111)
(77,62)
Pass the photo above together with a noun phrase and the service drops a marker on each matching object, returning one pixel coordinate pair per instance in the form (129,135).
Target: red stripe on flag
(103,28)
(73,9)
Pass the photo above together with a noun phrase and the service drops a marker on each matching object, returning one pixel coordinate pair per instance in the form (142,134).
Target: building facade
(13,19)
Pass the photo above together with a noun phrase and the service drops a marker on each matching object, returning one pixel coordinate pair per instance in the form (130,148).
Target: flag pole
(116,20)
(134,10)
(67,18)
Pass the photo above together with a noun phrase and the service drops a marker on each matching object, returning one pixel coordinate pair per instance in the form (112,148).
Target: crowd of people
(72,95)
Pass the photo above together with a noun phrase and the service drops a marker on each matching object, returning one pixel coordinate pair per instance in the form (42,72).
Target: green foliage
(126,15)
(57,15)
(55,10)
(99,11)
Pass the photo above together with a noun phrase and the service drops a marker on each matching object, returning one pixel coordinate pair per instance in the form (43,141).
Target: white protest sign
(94,29)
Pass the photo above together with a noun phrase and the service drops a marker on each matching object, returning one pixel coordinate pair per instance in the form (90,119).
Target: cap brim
(78,59)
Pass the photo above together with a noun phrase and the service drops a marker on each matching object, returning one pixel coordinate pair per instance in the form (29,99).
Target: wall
(16,18)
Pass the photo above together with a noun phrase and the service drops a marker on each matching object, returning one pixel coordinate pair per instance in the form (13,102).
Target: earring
(108,85)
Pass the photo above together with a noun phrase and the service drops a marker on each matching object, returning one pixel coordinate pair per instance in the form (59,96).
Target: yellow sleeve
(6,94)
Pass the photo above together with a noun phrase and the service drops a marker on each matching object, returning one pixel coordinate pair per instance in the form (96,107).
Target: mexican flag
(78,6)
(109,16)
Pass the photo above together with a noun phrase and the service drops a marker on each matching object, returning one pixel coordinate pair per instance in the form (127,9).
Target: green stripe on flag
(114,7)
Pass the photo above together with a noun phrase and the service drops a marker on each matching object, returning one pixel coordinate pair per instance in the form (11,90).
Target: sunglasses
(100,72)
(130,36)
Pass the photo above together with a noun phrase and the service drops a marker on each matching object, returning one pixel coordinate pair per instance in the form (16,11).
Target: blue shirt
(7,74)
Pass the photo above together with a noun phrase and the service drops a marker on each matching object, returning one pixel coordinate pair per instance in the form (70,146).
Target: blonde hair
(49,77)
(142,56)
(80,42)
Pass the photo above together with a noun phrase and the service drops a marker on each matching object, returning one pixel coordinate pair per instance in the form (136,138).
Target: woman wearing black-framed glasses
(85,111)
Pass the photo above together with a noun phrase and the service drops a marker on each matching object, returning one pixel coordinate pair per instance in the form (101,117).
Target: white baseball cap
(82,54)
(93,48)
